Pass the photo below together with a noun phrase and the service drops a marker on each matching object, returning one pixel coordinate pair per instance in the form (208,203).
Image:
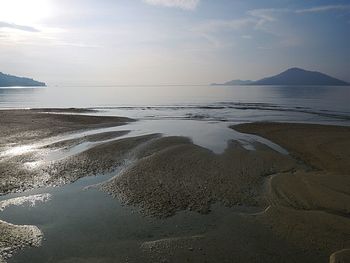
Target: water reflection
(325,97)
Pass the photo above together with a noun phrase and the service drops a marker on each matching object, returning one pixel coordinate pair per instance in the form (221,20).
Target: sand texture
(304,196)
(20,128)
(182,175)
(310,208)
(14,237)
(23,126)
(262,205)
(320,146)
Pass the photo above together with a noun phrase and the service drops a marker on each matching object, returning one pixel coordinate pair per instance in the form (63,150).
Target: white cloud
(254,18)
(268,21)
(216,25)
(324,8)
(18,27)
(183,4)
(210,30)
(264,16)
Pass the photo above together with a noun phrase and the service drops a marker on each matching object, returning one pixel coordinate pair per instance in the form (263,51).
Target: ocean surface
(314,104)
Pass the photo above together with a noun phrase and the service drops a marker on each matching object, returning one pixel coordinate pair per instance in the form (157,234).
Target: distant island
(234,82)
(12,81)
(292,76)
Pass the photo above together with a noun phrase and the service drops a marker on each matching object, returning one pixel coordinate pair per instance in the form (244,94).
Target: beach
(258,204)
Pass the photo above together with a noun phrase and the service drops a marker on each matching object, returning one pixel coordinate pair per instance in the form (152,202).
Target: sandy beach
(267,206)
(313,202)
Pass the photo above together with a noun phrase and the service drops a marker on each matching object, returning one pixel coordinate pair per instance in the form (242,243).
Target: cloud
(210,30)
(183,4)
(218,25)
(255,18)
(265,21)
(324,8)
(73,44)
(264,16)
(18,27)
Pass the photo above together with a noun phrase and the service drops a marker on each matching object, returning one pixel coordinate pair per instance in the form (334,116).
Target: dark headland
(12,81)
(293,76)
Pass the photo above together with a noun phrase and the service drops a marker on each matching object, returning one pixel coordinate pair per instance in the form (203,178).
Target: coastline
(166,175)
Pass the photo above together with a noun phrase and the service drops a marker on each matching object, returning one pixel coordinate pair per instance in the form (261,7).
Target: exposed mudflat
(64,110)
(174,174)
(14,237)
(24,126)
(21,128)
(23,170)
(247,204)
(340,256)
(306,194)
(101,159)
(310,208)
(321,146)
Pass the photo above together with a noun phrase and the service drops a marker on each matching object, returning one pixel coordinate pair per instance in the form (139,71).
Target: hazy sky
(171,41)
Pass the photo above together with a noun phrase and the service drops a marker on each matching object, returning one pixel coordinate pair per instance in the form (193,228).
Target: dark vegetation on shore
(7,80)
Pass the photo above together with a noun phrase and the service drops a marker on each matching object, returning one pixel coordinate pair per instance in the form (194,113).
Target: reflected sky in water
(91,96)
(224,103)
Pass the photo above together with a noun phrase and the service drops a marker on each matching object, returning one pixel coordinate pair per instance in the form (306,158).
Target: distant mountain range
(292,76)
(12,81)
(234,82)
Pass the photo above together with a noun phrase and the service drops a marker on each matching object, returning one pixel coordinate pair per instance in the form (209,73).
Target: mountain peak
(299,76)
(296,76)
(11,81)
(295,69)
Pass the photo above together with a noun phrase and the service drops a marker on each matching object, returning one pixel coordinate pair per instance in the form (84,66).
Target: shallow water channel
(83,223)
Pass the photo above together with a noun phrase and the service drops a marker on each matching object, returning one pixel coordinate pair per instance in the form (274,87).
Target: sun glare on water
(24,12)
(18,150)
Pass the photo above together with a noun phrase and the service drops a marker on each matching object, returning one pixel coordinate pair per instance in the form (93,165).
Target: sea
(236,104)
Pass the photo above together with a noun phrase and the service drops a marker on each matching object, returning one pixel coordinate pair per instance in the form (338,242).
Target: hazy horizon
(171,42)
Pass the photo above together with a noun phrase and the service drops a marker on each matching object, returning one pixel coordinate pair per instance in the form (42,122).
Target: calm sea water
(223,103)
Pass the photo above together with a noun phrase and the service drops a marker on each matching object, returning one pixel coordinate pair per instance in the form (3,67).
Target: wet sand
(323,147)
(24,126)
(310,208)
(14,237)
(174,174)
(280,208)
(304,197)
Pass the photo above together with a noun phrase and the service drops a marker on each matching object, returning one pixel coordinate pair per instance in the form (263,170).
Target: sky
(152,42)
